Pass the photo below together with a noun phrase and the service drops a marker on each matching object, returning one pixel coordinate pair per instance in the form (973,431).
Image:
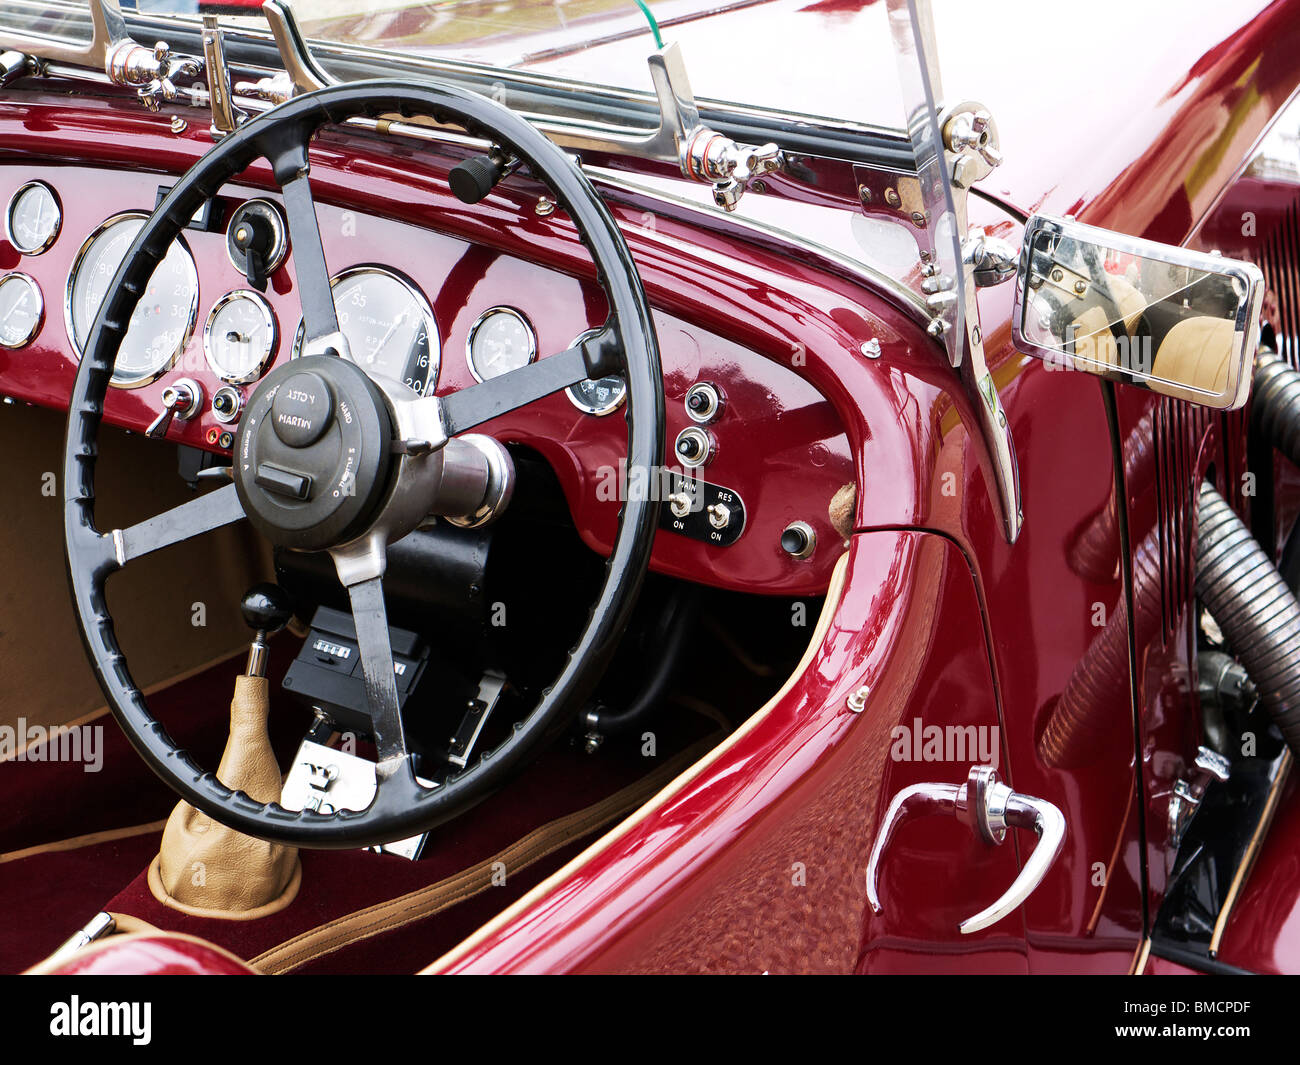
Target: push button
(301,410)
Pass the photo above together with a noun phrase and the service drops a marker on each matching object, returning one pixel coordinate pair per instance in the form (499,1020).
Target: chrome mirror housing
(1178,322)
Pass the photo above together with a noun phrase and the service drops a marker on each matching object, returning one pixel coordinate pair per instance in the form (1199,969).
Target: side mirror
(1178,322)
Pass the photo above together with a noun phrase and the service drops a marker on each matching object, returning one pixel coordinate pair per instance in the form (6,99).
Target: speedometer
(389,326)
(164,318)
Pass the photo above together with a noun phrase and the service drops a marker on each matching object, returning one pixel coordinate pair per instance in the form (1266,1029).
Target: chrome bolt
(871,348)
(857,700)
(544,207)
(179,125)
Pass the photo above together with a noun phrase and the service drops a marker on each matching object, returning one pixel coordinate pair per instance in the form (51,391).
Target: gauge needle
(388,336)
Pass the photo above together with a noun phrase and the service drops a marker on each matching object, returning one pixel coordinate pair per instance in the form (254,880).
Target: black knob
(691,448)
(266,608)
(474,178)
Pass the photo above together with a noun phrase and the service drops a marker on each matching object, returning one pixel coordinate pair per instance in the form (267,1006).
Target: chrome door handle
(989,808)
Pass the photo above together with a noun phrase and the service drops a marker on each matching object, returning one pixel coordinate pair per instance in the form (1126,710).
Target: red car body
(753,860)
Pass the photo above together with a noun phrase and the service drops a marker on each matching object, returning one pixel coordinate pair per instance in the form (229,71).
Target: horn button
(313,455)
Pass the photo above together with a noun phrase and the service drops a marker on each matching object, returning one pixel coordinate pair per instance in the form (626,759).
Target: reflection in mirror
(1181,323)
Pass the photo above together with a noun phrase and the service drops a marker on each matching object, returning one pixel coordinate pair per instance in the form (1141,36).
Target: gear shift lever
(266,611)
(207,869)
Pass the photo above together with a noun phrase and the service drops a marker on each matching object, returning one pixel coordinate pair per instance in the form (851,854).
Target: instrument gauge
(598,397)
(389,326)
(22,309)
(500,341)
(239,336)
(33,219)
(163,320)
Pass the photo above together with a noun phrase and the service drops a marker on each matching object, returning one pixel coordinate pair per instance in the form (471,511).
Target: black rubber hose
(1253,607)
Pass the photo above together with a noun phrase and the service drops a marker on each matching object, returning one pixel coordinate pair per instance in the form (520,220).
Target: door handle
(988,807)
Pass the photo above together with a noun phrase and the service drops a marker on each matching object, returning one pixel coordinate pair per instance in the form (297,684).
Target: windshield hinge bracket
(701,153)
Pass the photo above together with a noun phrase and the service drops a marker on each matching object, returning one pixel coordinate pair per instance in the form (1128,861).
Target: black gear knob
(266,608)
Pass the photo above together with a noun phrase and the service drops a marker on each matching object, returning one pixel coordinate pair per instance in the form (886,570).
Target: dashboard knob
(266,608)
(472,179)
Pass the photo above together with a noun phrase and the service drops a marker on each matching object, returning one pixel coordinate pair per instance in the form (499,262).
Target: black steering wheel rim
(402,807)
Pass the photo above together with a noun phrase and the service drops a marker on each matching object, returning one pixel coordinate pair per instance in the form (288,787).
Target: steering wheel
(366,462)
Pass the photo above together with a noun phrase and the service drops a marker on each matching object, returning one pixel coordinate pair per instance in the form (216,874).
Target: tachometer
(164,318)
(389,326)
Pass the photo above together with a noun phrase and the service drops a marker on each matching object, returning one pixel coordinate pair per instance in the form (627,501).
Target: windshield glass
(860,72)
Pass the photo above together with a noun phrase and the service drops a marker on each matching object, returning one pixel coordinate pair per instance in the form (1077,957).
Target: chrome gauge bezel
(191,321)
(491,312)
(9,217)
(272,334)
(583,405)
(40,307)
(426,309)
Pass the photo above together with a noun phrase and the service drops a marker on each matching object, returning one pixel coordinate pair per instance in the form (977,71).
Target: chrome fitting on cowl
(730,167)
(152,70)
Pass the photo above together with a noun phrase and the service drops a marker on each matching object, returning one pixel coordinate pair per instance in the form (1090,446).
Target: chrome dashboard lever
(988,807)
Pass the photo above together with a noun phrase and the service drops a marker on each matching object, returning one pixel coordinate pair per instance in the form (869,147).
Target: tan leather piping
(417,905)
(75,843)
(833,595)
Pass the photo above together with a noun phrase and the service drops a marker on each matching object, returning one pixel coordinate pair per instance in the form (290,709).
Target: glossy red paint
(810,777)
(152,954)
(771,878)
(914,460)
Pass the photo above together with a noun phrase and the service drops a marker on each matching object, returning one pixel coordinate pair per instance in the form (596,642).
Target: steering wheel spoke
(360,568)
(321,334)
(594,357)
(207,512)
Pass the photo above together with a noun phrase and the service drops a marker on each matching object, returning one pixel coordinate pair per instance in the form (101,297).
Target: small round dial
(21,310)
(239,337)
(500,341)
(389,326)
(599,397)
(34,218)
(164,318)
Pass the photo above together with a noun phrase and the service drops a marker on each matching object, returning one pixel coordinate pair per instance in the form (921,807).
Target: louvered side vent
(1178,429)
(1280,262)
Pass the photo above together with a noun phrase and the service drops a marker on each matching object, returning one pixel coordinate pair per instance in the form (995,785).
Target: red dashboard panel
(779,443)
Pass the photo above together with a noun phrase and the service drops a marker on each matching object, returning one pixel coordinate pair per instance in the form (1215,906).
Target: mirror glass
(1178,322)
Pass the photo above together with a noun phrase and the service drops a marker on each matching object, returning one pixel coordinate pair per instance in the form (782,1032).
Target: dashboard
(439,313)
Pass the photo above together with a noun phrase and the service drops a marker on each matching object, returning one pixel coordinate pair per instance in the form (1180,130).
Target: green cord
(654,26)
